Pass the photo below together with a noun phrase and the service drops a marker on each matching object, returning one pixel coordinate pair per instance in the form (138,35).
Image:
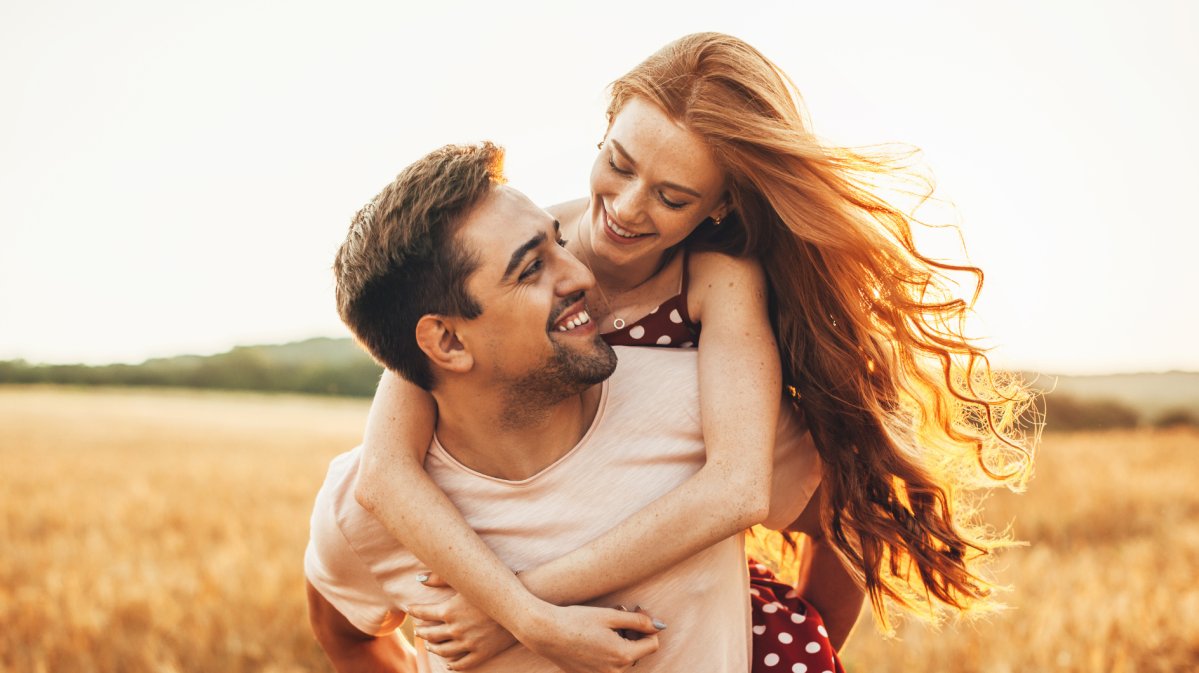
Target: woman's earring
(716,221)
(600,146)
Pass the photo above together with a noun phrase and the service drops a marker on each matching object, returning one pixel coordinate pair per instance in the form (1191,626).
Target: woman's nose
(628,205)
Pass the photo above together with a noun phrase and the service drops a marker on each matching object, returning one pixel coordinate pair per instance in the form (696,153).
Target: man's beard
(567,372)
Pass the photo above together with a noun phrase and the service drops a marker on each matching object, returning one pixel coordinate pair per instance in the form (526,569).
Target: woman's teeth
(623,233)
(579,318)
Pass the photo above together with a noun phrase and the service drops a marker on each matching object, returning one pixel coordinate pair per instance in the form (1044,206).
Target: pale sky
(175,178)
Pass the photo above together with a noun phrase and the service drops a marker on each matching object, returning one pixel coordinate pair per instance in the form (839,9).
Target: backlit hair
(906,411)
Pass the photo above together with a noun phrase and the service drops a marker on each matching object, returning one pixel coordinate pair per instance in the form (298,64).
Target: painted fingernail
(639,607)
(659,625)
(422,578)
(623,608)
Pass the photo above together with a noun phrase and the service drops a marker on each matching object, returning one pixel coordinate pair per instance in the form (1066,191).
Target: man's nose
(575,276)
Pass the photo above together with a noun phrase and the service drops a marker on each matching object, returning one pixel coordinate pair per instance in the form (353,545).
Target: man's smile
(573,319)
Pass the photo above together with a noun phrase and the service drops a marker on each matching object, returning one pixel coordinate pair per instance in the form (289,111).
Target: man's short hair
(401,260)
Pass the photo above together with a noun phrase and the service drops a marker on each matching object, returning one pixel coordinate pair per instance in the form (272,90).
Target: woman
(712,204)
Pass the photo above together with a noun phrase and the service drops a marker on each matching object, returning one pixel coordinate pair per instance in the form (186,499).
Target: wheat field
(163,530)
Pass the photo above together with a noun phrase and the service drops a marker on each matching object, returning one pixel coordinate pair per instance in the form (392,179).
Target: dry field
(163,531)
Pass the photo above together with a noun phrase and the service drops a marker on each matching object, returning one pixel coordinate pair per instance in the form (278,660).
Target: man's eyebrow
(676,187)
(519,253)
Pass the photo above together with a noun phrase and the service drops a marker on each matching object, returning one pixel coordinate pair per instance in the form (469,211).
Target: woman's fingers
(434,612)
(431,579)
(449,650)
(436,633)
(636,621)
(644,647)
(469,661)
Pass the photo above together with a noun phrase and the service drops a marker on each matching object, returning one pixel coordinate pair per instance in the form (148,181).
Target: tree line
(338,367)
(318,366)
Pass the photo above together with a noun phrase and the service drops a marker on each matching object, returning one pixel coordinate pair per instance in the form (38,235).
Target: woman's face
(652,184)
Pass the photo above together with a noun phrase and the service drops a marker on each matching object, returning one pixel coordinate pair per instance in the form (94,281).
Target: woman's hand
(577,639)
(457,631)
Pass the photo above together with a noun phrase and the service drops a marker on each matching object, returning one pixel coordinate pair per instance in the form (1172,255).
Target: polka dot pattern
(667,325)
(789,634)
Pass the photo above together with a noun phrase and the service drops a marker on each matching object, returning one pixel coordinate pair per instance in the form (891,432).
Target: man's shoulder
(338,519)
(337,492)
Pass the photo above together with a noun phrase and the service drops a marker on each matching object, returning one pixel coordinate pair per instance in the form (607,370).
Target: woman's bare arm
(393,485)
(740,383)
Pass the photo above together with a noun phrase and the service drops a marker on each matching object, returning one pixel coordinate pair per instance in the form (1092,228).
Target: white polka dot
(770,659)
(655,310)
(813,647)
(686,344)
(770,608)
(791,594)
(663,340)
(755,591)
(828,672)
(637,332)
(779,605)
(822,631)
(799,668)
(785,638)
(760,568)
(675,317)
(759,630)
(798,618)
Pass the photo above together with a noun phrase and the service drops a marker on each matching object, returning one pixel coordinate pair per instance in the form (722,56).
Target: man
(538,443)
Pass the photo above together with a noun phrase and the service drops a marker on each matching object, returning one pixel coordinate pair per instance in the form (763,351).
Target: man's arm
(350,649)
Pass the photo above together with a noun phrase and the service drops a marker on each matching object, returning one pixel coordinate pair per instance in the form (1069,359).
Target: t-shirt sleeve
(797,469)
(336,570)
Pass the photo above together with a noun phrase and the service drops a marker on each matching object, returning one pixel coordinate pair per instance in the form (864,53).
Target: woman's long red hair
(906,411)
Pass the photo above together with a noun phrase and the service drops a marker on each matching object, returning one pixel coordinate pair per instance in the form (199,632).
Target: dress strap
(683,312)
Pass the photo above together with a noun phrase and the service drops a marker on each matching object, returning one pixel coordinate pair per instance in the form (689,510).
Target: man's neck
(480,431)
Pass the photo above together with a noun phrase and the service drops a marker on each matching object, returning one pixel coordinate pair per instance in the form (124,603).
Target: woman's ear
(723,207)
(437,338)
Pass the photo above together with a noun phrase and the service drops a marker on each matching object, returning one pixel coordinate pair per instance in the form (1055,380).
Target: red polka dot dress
(789,636)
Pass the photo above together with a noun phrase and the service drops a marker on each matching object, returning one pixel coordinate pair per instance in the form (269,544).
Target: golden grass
(1109,582)
(163,531)
(160,530)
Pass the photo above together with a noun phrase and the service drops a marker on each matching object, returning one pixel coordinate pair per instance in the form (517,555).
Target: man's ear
(436,337)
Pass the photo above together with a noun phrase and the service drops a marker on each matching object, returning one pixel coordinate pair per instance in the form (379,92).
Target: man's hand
(577,639)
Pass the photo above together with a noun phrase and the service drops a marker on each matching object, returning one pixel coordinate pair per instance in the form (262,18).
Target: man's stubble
(530,398)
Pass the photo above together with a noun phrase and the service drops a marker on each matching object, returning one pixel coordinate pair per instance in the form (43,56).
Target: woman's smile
(616,232)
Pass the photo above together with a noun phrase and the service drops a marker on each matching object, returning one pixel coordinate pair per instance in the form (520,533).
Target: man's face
(533,339)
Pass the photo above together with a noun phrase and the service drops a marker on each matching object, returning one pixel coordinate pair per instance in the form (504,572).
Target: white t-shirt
(645,440)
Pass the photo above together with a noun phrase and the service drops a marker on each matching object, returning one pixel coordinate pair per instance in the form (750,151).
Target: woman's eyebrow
(671,185)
